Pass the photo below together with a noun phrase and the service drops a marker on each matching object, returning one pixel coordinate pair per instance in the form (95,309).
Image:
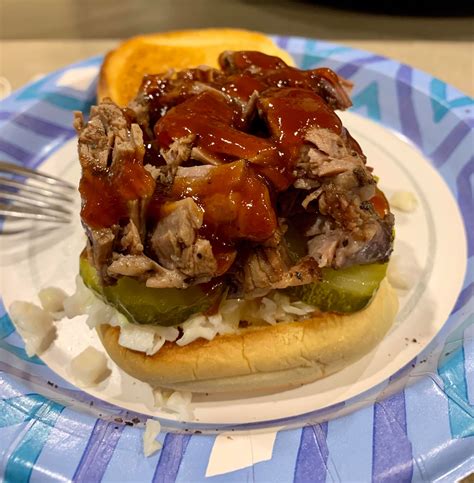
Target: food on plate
(174,401)
(403,271)
(35,325)
(52,300)
(89,367)
(233,225)
(404,201)
(152,430)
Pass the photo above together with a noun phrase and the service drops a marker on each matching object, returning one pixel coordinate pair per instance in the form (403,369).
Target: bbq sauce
(207,104)
(235,200)
(210,118)
(271,71)
(248,59)
(275,72)
(105,192)
(236,205)
(164,91)
(290,112)
(102,207)
(380,203)
(243,86)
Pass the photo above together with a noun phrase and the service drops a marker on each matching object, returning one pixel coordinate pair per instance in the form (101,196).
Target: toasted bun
(276,357)
(123,69)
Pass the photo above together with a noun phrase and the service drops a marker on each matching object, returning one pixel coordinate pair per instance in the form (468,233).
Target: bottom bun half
(275,357)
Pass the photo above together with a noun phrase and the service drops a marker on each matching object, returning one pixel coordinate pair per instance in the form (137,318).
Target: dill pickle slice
(153,306)
(344,291)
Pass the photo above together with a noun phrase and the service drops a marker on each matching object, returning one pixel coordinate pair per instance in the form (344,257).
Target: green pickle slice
(344,291)
(153,306)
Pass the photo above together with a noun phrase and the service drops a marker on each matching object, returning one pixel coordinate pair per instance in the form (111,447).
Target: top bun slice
(123,69)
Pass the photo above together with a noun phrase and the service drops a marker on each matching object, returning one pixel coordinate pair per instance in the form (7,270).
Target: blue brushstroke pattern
(311,462)
(392,450)
(20,353)
(6,326)
(461,413)
(42,414)
(173,452)
(368,98)
(441,106)
(99,451)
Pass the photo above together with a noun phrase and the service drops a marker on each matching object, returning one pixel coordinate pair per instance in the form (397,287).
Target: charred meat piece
(266,268)
(338,248)
(243,77)
(353,225)
(273,72)
(236,201)
(100,247)
(209,118)
(176,244)
(146,269)
(114,185)
(111,154)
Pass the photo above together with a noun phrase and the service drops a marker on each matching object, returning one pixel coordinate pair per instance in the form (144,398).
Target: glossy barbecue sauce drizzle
(273,72)
(236,196)
(209,105)
(236,205)
(106,192)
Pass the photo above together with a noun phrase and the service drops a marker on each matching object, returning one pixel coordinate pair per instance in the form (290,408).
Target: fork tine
(37,175)
(7,195)
(30,214)
(12,183)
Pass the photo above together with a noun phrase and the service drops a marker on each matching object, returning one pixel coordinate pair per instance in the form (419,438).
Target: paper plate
(396,414)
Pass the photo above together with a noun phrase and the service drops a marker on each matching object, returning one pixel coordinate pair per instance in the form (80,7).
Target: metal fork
(32,195)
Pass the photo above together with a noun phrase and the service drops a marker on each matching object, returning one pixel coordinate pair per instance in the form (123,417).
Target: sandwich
(232,222)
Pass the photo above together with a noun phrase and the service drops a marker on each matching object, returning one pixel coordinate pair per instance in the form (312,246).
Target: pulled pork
(199,176)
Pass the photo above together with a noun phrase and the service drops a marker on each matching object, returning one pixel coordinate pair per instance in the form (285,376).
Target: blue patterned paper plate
(419,424)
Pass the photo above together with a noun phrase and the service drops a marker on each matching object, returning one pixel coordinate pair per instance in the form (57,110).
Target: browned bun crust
(123,68)
(281,356)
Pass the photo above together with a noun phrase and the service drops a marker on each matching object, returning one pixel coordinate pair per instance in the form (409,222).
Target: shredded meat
(211,119)
(106,143)
(350,231)
(100,247)
(132,265)
(272,71)
(131,241)
(339,248)
(179,150)
(176,244)
(199,177)
(143,268)
(203,156)
(268,268)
